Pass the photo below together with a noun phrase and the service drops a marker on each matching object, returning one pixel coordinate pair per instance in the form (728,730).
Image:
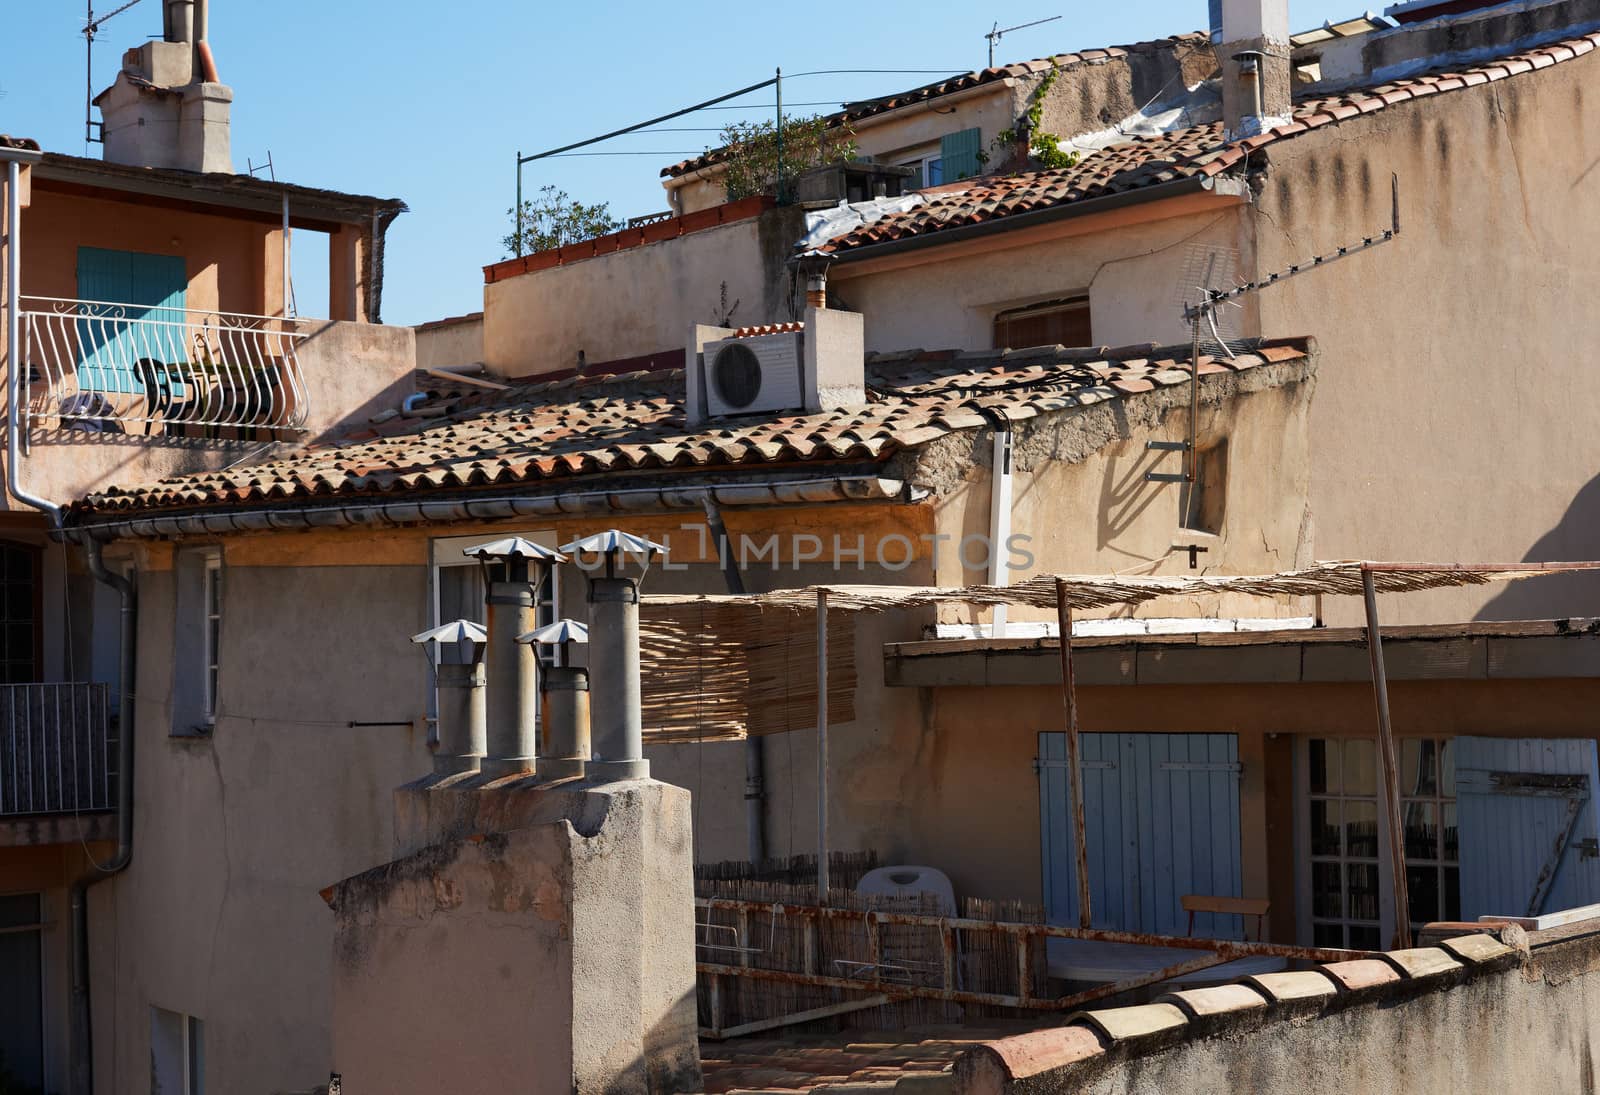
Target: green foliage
(752,157)
(1042,146)
(554,219)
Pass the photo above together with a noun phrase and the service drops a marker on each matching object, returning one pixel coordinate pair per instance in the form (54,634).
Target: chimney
(1253,47)
(616,713)
(460,689)
(513,569)
(564,748)
(167,108)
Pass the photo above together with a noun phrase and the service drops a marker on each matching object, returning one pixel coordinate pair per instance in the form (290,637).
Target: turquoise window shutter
(958,153)
(128,288)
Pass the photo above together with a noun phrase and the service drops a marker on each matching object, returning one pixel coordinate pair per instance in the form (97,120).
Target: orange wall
(234,265)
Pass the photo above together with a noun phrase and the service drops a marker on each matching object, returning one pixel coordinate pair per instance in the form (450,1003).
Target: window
(1048,323)
(197,655)
(177,1053)
(1343,839)
(458,591)
(930,172)
(21,993)
(1350,892)
(19,613)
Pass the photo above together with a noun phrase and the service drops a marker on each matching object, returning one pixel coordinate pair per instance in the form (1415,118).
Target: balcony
(104,368)
(57,759)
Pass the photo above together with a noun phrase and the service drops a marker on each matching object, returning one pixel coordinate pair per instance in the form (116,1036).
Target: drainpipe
(82,1034)
(755,746)
(999,523)
(14,158)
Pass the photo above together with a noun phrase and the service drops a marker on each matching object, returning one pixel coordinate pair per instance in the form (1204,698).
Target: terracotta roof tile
(1184,153)
(588,427)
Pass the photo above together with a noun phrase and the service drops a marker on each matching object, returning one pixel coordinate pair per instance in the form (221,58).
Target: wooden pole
(1069,699)
(1389,768)
(822,747)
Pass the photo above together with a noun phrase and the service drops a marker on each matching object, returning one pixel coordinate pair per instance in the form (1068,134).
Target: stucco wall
(458,342)
(219,917)
(1128,265)
(641,300)
(1455,420)
(1526,1028)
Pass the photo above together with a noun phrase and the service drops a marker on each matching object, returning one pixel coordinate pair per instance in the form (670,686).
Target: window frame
(210,636)
(1008,314)
(191,1030)
(1441,797)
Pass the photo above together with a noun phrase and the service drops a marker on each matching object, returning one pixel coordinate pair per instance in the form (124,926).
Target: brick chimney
(1253,48)
(167,108)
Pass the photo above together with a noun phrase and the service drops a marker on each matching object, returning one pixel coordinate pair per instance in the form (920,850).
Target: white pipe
(288,290)
(822,747)
(999,523)
(14,366)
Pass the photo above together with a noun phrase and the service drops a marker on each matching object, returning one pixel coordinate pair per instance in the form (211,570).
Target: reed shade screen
(721,672)
(719,667)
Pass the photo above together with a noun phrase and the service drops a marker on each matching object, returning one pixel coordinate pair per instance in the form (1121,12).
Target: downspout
(999,513)
(14,160)
(82,1030)
(755,746)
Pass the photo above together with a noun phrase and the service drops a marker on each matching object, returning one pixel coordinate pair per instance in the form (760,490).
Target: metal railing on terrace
(104,367)
(55,749)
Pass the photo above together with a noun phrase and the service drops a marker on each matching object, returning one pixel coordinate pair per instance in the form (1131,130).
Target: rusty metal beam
(1069,699)
(1390,764)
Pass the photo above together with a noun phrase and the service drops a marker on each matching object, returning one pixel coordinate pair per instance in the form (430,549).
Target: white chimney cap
(614,540)
(513,547)
(454,632)
(562,631)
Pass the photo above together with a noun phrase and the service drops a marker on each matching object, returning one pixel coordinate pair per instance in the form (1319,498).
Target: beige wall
(457,342)
(1128,265)
(219,916)
(638,301)
(1455,420)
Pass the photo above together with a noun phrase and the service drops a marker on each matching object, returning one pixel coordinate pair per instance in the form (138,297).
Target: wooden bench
(1227,906)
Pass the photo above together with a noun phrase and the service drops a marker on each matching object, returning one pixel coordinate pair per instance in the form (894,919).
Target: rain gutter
(786,492)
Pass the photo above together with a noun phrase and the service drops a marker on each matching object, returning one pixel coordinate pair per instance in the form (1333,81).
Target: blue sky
(431,102)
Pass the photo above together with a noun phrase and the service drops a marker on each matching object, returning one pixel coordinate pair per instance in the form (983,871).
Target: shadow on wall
(1561,596)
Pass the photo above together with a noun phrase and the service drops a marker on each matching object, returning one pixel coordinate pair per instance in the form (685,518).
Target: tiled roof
(1198,151)
(854,112)
(554,432)
(450,321)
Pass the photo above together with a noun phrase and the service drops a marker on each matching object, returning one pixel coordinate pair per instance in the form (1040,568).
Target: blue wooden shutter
(958,154)
(1162,812)
(149,287)
(1510,829)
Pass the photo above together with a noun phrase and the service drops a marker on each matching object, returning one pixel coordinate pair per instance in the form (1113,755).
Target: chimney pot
(1256,69)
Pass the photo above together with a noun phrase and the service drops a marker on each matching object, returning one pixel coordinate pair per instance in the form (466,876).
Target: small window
(1205,502)
(177,1053)
(19,613)
(197,666)
(1049,323)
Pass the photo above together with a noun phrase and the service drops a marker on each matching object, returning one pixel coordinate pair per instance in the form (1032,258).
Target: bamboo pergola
(720,666)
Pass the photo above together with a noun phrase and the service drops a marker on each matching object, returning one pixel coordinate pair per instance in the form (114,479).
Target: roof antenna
(91,27)
(998,32)
(1214,330)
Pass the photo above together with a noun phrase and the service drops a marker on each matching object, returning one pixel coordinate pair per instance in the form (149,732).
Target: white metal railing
(55,752)
(101,367)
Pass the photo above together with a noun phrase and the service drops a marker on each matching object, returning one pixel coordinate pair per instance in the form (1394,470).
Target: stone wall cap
(1415,962)
(1204,1003)
(1360,973)
(1293,985)
(1122,1024)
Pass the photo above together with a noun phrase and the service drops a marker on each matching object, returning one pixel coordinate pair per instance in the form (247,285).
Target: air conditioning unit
(756,374)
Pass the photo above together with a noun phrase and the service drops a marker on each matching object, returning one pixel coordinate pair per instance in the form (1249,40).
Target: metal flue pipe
(513,569)
(460,688)
(564,748)
(616,713)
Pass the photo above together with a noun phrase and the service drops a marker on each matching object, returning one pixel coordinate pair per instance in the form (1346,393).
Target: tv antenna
(998,32)
(91,27)
(1212,327)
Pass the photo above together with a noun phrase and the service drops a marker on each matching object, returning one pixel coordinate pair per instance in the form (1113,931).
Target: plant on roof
(1042,146)
(751,152)
(553,220)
